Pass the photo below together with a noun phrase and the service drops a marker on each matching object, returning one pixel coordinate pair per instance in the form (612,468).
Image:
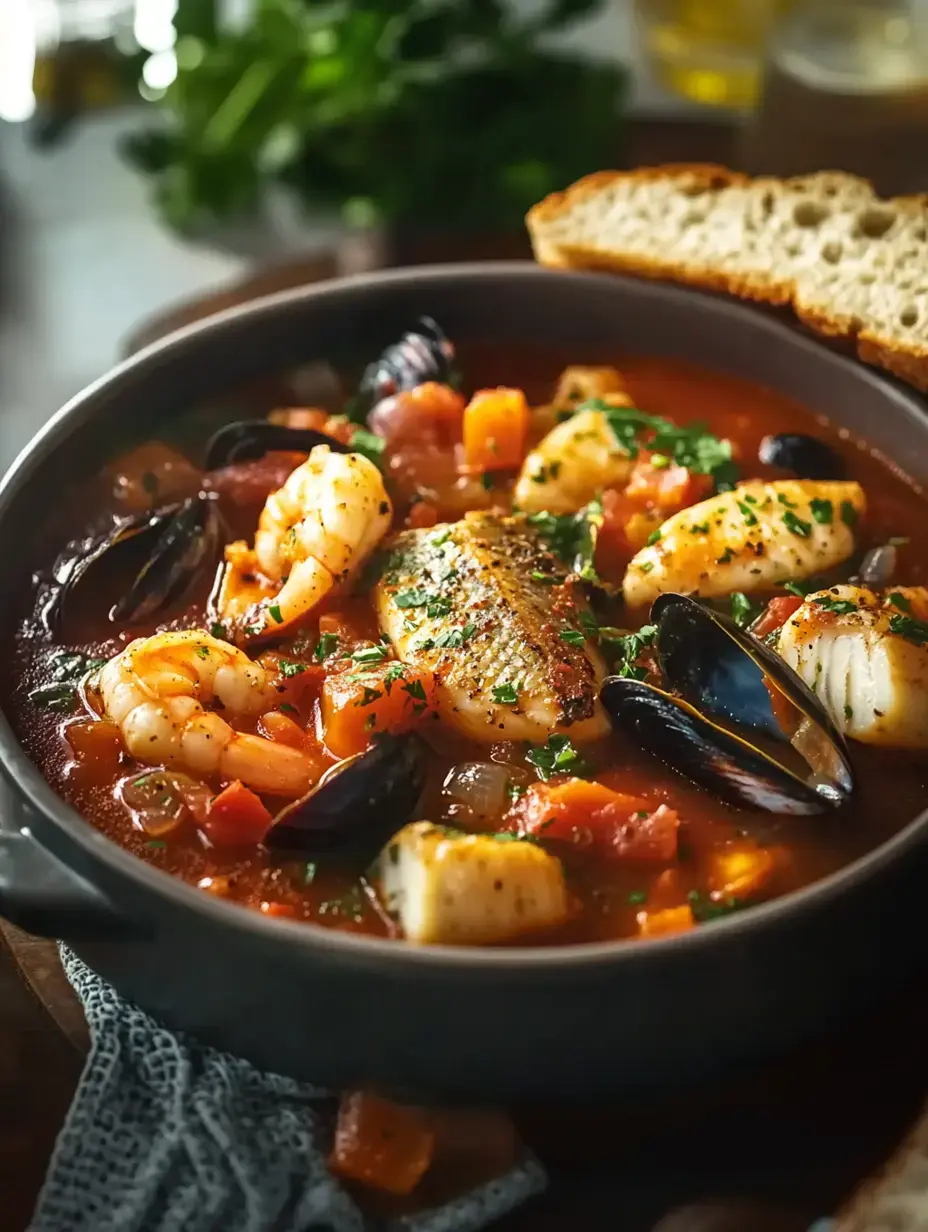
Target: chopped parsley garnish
(646,566)
(627,648)
(274,610)
(487,480)
(725,557)
(67,669)
(705,908)
(572,637)
(289,667)
(438,607)
(660,461)
(654,537)
(692,446)
(915,631)
(441,537)
(203,652)
(451,639)
(369,656)
(553,757)
(848,513)
(701,528)
(637,897)
(392,674)
(369,695)
(796,525)
(823,511)
(414,598)
(571,537)
(546,579)
(801,589)
(218,631)
(840,607)
(743,611)
(324,647)
(785,501)
(287,708)
(507,694)
(368,444)
(415,690)
(155,843)
(309,874)
(750,517)
(900,601)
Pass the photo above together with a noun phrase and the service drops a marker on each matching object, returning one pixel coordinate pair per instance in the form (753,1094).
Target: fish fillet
(866,657)
(480,604)
(754,538)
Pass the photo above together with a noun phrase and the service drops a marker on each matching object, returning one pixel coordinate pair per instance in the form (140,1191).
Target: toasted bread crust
(903,352)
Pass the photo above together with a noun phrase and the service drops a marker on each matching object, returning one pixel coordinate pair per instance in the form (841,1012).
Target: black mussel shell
(806,456)
(423,353)
(877,568)
(739,720)
(171,545)
(356,807)
(247,439)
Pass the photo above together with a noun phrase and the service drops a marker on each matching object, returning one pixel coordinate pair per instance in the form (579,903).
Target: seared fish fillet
(469,889)
(754,538)
(866,657)
(474,602)
(571,465)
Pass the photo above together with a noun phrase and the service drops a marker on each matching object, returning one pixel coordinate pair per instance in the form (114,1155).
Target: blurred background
(156,152)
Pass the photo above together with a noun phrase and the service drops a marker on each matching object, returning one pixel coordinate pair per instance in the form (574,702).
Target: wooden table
(795,1137)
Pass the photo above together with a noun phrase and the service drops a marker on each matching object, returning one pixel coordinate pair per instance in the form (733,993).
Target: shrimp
(156,690)
(313,534)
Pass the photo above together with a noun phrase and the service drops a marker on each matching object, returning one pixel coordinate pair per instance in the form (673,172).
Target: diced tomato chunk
(668,488)
(431,413)
(237,818)
(422,515)
(775,614)
(357,705)
(495,428)
(593,816)
(380,1144)
(664,923)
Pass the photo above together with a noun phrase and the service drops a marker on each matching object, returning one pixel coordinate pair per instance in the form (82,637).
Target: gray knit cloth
(165,1135)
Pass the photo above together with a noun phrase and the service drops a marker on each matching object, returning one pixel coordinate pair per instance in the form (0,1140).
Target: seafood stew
(442,660)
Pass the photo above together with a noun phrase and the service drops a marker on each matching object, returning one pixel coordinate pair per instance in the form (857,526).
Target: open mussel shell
(733,717)
(424,353)
(357,805)
(247,439)
(163,549)
(806,456)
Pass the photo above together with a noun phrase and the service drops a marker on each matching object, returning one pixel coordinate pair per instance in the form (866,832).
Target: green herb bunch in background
(442,114)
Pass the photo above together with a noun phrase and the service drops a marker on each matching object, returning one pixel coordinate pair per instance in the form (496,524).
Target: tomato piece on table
(236,818)
(380,1144)
(495,429)
(592,816)
(358,705)
(775,614)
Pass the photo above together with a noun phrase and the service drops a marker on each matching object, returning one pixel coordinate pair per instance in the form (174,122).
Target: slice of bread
(852,265)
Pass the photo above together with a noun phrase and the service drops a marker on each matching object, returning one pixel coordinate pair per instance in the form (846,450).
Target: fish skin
(714,547)
(872,681)
(476,575)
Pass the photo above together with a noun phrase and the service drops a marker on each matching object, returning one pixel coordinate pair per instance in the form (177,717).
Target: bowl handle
(43,896)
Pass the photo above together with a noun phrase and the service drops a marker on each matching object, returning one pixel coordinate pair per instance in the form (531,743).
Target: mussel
(733,717)
(878,567)
(247,439)
(806,456)
(358,804)
(167,547)
(423,353)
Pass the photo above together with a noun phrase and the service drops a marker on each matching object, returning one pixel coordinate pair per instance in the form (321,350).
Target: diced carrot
(237,818)
(97,747)
(775,614)
(740,871)
(495,429)
(380,1144)
(357,705)
(281,728)
(590,815)
(663,923)
(279,911)
(422,516)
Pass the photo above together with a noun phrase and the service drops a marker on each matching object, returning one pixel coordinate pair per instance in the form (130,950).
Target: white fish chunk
(447,888)
(865,655)
(573,463)
(754,538)
(473,602)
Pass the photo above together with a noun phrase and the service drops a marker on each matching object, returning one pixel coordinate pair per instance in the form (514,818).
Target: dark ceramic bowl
(452,1022)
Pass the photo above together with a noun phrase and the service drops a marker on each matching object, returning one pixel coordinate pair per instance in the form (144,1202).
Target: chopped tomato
(357,705)
(431,413)
(245,484)
(664,923)
(614,546)
(592,816)
(383,1145)
(495,428)
(236,818)
(775,614)
(422,515)
(667,488)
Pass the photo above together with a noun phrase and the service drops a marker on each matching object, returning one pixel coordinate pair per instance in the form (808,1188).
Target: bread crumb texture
(852,265)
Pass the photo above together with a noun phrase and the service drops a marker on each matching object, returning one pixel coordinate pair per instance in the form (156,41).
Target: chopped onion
(482,786)
(162,800)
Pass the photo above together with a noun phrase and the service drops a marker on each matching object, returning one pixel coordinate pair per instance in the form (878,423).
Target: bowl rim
(24,777)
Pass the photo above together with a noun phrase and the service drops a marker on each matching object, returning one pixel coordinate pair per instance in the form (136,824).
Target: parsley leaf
(750,517)
(848,514)
(507,694)
(369,655)
(796,525)
(571,536)
(553,757)
(841,607)
(915,631)
(743,611)
(823,511)
(368,444)
(626,649)
(67,670)
(572,637)
(415,689)
(801,589)
(289,667)
(274,610)
(324,647)
(414,598)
